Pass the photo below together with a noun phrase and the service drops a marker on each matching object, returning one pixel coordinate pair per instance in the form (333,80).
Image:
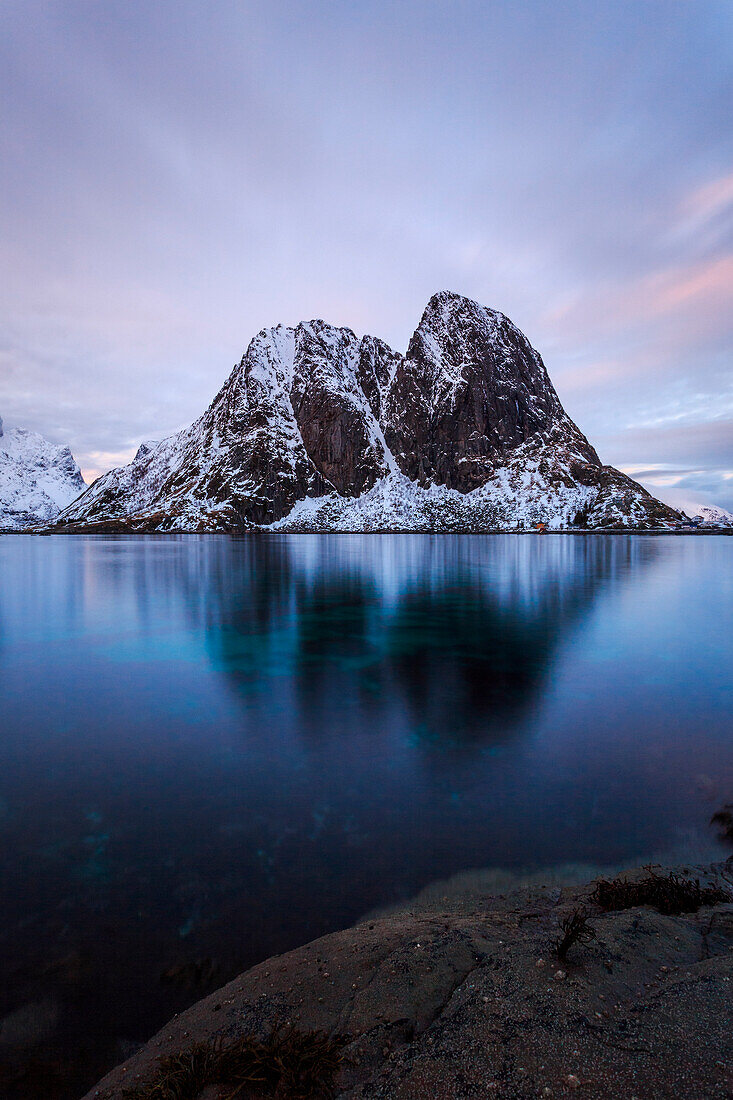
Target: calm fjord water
(218,748)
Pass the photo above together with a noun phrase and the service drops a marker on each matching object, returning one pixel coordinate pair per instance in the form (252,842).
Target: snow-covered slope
(318,429)
(708,515)
(37,479)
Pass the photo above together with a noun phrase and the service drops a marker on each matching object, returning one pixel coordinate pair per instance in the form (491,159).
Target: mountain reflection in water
(456,641)
(215,748)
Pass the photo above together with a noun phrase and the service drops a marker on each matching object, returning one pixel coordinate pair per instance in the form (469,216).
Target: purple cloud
(177,176)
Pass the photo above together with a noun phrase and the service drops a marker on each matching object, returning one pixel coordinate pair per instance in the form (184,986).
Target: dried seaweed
(289,1063)
(670,894)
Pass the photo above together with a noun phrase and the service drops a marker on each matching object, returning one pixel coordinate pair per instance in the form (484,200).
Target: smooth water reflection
(219,747)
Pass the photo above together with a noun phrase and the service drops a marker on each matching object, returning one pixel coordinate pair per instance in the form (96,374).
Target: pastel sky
(177,175)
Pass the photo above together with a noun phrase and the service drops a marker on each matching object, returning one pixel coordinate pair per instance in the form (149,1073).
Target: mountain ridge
(318,429)
(37,479)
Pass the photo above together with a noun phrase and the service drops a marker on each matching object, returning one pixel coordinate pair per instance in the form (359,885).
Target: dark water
(213,749)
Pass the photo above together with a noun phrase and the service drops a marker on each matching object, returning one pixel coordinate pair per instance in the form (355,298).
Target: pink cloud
(685,302)
(707,201)
(708,285)
(96,463)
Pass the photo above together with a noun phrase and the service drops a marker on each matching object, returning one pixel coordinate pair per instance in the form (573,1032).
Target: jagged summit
(37,479)
(470,390)
(319,429)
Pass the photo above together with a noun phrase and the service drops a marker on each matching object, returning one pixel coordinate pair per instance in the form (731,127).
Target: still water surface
(216,748)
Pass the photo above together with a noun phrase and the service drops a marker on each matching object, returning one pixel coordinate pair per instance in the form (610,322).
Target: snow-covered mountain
(708,515)
(37,479)
(317,429)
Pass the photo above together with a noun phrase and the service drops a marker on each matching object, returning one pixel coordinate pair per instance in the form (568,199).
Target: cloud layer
(178,175)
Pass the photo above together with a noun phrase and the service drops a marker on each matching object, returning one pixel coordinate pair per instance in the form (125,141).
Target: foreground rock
(319,430)
(37,479)
(443,1002)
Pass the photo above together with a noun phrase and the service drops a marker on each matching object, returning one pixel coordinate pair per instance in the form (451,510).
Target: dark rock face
(470,390)
(334,420)
(316,414)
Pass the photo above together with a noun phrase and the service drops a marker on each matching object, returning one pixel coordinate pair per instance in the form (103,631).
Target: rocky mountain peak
(321,429)
(449,313)
(470,390)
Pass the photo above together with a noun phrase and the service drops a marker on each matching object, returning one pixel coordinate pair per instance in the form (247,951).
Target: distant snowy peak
(318,429)
(37,479)
(710,516)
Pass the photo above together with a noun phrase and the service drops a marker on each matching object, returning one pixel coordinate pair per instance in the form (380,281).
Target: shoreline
(653,532)
(466,996)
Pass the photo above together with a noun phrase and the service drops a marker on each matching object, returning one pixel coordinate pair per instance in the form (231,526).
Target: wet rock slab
(467,999)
